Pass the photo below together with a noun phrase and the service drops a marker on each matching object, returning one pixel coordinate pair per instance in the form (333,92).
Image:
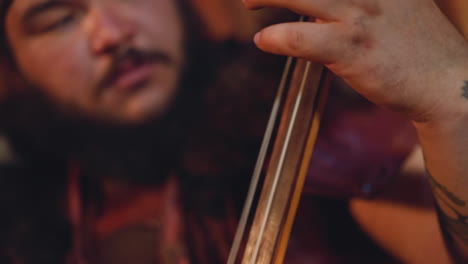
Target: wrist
(444,100)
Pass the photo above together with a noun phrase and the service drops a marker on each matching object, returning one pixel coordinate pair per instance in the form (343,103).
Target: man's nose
(109,31)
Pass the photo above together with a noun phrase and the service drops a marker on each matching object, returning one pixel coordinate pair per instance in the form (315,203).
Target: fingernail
(257,37)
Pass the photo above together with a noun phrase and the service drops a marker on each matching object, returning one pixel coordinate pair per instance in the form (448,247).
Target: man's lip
(133,77)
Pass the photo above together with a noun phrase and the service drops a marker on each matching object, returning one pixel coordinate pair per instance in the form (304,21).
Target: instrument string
(259,164)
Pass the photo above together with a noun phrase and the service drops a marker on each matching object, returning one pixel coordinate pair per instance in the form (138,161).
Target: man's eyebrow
(40,7)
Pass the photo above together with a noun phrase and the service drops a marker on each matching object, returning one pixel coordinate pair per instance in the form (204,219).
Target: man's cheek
(66,79)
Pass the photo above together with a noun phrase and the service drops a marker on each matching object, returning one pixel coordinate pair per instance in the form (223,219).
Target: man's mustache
(136,56)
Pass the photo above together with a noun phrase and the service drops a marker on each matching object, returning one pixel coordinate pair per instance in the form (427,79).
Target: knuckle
(295,39)
(372,8)
(360,33)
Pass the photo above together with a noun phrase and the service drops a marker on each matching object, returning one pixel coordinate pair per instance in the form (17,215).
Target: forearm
(390,219)
(445,147)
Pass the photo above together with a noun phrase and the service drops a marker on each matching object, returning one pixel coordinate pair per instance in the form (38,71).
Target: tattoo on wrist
(465,90)
(457,224)
(436,185)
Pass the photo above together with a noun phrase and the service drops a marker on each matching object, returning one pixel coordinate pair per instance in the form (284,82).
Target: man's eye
(53,20)
(62,22)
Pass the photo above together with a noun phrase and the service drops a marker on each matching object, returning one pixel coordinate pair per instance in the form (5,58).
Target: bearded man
(113,110)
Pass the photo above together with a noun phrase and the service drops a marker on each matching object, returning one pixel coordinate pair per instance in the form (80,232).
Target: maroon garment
(359,151)
(360,148)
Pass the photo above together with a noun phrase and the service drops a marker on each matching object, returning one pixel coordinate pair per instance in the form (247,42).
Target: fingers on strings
(323,9)
(313,41)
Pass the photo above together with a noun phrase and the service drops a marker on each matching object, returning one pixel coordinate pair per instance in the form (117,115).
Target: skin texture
(406,56)
(95,36)
(353,38)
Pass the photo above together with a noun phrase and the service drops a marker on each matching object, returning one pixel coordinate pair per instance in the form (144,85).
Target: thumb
(308,40)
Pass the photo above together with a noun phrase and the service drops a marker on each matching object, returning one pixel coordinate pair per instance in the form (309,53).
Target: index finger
(323,9)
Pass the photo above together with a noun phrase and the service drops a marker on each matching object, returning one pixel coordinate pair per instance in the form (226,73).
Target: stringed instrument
(304,86)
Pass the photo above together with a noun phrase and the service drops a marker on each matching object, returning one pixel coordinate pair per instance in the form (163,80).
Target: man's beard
(143,153)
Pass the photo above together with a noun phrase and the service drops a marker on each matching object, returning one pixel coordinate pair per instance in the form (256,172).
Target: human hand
(401,54)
